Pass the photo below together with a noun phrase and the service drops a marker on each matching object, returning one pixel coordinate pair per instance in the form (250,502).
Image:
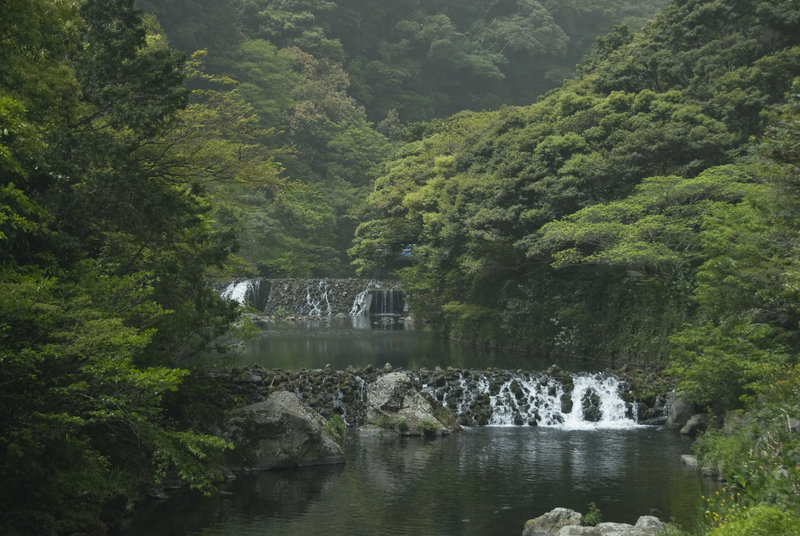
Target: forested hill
(333,82)
(646,212)
(598,221)
(422,59)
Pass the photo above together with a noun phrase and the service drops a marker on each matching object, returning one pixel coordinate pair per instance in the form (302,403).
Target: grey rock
(279,433)
(688,460)
(602,529)
(393,401)
(695,424)
(566,522)
(649,523)
(679,412)
(552,522)
(590,404)
(793,424)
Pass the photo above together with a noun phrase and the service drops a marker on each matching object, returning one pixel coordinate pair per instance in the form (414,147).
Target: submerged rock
(279,433)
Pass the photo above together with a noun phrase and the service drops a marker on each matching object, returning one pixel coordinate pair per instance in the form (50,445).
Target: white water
(238,291)
(612,406)
(314,302)
(360,303)
(526,399)
(319,298)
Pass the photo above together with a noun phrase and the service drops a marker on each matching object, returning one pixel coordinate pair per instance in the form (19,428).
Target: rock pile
(566,522)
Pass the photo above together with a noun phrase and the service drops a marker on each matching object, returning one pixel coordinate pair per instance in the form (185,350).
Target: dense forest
(641,208)
(334,83)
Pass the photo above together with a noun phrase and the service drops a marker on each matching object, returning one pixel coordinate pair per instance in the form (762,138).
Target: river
(482,481)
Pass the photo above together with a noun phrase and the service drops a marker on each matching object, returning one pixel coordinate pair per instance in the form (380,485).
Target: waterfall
(317,297)
(580,401)
(237,291)
(252,292)
(360,303)
(387,302)
(552,399)
(318,302)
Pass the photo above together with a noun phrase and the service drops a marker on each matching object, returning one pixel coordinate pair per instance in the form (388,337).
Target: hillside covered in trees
(644,212)
(642,209)
(333,83)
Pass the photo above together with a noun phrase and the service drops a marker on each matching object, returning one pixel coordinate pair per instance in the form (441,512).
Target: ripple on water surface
(483,481)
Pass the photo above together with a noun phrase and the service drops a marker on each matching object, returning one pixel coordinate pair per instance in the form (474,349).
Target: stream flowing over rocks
(440,401)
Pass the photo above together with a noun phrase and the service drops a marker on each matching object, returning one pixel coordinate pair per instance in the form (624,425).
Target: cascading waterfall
(360,303)
(254,292)
(318,297)
(580,401)
(238,291)
(318,301)
(494,397)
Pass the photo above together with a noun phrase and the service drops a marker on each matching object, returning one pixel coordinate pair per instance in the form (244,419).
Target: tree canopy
(577,224)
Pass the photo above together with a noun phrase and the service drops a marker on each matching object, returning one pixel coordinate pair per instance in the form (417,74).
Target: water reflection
(349,341)
(483,481)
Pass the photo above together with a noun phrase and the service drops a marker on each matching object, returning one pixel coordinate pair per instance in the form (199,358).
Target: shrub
(761,521)
(335,428)
(593,517)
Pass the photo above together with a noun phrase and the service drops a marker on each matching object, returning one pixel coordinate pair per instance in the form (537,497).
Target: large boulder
(550,523)
(679,412)
(566,522)
(279,433)
(393,401)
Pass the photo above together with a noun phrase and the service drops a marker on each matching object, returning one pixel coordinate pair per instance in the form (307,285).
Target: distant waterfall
(254,292)
(386,302)
(318,297)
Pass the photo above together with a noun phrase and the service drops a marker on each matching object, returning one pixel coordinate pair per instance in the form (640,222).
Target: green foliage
(593,516)
(294,62)
(582,223)
(747,325)
(335,428)
(761,521)
(724,507)
(758,450)
(741,350)
(80,416)
(401,424)
(105,244)
(718,364)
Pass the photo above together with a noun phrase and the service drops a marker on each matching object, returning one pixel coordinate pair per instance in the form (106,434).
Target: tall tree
(102,267)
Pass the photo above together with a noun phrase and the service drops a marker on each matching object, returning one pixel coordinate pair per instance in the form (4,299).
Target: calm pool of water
(482,481)
(341,343)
